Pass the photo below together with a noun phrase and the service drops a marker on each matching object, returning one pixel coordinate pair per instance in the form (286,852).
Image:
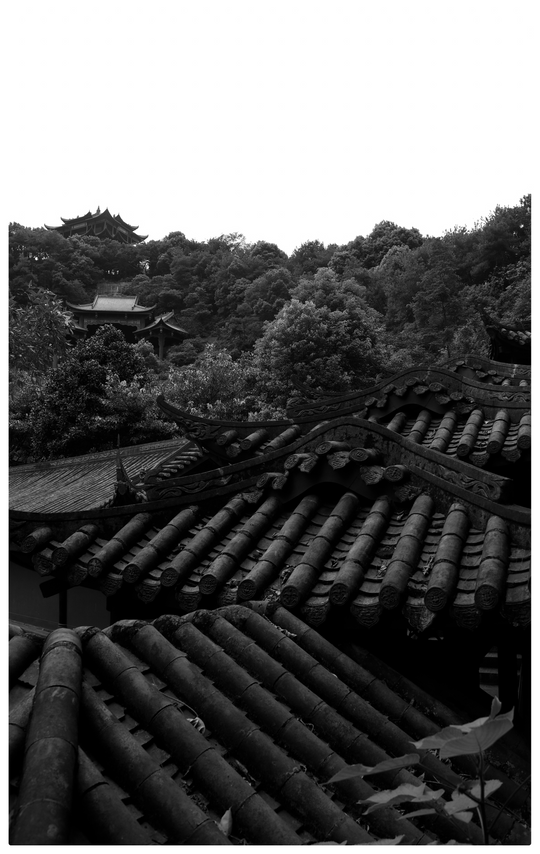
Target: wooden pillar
(161,346)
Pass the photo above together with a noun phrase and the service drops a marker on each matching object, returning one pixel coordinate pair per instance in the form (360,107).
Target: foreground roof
(224,727)
(350,517)
(406,500)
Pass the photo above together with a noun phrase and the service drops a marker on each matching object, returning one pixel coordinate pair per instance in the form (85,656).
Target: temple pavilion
(134,320)
(100,224)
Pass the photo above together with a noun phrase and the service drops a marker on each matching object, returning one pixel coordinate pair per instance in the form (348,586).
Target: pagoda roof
(99,216)
(105,214)
(120,303)
(226,727)
(162,322)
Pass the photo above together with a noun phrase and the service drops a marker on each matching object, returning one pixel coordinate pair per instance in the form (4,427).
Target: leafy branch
(472,738)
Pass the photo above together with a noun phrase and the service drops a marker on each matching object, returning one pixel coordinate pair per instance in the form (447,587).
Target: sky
(284,120)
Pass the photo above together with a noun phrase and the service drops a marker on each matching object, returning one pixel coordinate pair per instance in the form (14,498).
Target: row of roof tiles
(468,436)
(484,424)
(490,371)
(442,385)
(90,481)
(426,413)
(156,733)
(314,545)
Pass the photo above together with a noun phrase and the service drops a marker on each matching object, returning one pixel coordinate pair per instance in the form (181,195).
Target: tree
(259,301)
(101,393)
(310,256)
(385,235)
(218,386)
(327,289)
(320,347)
(39,330)
(268,254)
(505,239)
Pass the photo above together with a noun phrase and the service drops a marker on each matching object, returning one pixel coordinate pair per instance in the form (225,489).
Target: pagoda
(100,224)
(134,320)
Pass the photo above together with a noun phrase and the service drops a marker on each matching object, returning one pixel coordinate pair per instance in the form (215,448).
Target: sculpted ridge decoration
(203,429)
(443,383)
(490,367)
(491,491)
(171,491)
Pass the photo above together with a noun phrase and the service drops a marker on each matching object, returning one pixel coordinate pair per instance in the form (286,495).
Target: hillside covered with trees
(330,317)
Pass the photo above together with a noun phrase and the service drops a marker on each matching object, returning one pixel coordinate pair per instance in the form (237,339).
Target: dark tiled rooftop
(88,481)
(151,732)
(339,527)
(404,517)
(490,371)
(472,408)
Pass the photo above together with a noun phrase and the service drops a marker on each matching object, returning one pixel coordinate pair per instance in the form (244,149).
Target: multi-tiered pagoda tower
(100,224)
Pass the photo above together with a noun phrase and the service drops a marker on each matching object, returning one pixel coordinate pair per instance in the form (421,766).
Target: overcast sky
(287,120)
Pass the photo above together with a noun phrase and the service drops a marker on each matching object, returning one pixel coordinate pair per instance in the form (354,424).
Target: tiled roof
(489,370)
(163,320)
(223,727)
(509,342)
(406,506)
(340,524)
(448,410)
(438,389)
(118,303)
(88,481)
(104,216)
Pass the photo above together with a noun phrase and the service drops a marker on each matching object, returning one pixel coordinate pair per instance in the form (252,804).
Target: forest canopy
(330,317)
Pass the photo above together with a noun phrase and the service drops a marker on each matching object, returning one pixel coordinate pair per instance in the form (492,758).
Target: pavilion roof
(99,216)
(120,303)
(162,322)
(225,727)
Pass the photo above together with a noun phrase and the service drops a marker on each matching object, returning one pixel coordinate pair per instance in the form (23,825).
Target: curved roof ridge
(165,319)
(447,477)
(216,424)
(117,298)
(68,222)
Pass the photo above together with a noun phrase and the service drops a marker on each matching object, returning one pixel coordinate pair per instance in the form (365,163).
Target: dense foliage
(101,394)
(331,317)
